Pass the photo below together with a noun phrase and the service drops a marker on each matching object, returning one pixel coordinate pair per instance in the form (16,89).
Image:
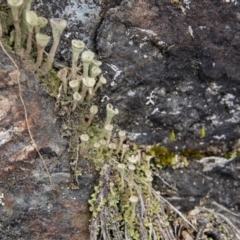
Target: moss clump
(5,17)
(233,154)
(193,153)
(162,156)
(52,83)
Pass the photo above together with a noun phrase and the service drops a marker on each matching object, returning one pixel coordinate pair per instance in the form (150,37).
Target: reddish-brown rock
(30,207)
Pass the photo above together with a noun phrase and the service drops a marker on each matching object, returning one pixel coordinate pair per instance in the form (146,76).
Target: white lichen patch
(75,11)
(150,98)
(150,33)
(228,100)
(5,107)
(116,70)
(190,30)
(213,89)
(142,44)
(7,134)
(131,93)
(220,137)
(231,1)
(134,136)
(1,199)
(202,27)
(85,12)
(130,43)
(187,3)
(105,98)
(23,153)
(211,162)
(155,110)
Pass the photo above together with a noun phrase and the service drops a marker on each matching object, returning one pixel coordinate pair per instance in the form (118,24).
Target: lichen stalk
(87,83)
(124,149)
(62,74)
(77,48)
(93,112)
(121,169)
(95,71)
(31,21)
(133,200)
(58,25)
(111,112)
(42,22)
(74,85)
(112,147)
(15,9)
(76,100)
(121,135)
(99,84)
(42,41)
(86,58)
(107,132)
(130,178)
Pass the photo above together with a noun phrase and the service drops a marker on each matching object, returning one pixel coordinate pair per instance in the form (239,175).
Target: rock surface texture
(30,208)
(175,70)
(170,67)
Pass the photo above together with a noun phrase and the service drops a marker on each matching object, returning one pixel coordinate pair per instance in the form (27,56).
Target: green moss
(5,17)
(162,156)
(232,154)
(51,82)
(193,153)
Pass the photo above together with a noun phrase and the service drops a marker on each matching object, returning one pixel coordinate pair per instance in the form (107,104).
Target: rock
(169,69)
(83,20)
(211,182)
(30,207)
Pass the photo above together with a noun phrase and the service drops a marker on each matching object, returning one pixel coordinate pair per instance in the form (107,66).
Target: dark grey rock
(192,77)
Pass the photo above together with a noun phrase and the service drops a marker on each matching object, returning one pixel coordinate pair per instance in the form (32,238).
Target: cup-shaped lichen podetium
(77,99)
(121,169)
(122,136)
(84,138)
(131,168)
(58,25)
(42,22)
(99,84)
(149,182)
(62,74)
(103,145)
(77,48)
(124,149)
(102,80)
(26,7)
(15,6)
(110,113)
(42,41)
(133,200)
(97,148)
(87,85)
(95,71)
(87,57)
(112,147)
(74,85)
(96,63)
(93,112)
(32,21)
(132,159)
(107,131)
